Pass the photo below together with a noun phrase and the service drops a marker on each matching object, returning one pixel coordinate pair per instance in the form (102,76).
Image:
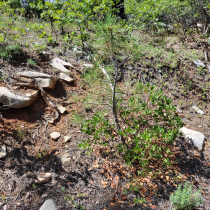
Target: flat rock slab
(3,151)
(7,98)
(55,135)
(44,80)
(44,178)
(196,137)
(48,205)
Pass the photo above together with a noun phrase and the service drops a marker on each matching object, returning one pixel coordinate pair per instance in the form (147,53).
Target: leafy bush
(148,122)
(185,198)
(158,14)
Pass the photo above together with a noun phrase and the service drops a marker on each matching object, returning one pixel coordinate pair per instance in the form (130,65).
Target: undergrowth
(185,198)
(149,124)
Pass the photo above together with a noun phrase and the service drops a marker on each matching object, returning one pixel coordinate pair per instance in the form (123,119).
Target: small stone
(199,111)
(48,205)
(18,204)
(61,109)
(66,160)
(199,63)
(44,178)
(66,138)
(196,137)
(55,135)
(3,151)
(87,65)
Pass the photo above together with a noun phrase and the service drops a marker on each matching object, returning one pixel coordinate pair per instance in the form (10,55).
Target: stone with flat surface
(196,137)
(55,135)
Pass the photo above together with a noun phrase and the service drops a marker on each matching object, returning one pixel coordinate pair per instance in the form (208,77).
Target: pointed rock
(66,138)
(48,205)
(65,77)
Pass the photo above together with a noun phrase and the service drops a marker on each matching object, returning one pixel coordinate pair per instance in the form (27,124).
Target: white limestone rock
(87,65)
(65,77)
(55,135)
(66,159)
(199,111)
(66,138)
(48,205)
(199,63)
(44,80)
(61,65)
(7,98)
(196,137)
(44,178)
(61,109)
(3,151)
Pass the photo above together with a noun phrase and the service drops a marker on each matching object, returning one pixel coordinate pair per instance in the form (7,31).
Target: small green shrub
(184,197)
(10,52)
(31,62)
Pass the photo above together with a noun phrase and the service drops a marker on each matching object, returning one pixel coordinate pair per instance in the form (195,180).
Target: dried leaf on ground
(115,181)
(105,184)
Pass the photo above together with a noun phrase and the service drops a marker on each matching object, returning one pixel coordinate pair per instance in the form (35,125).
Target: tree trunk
(119,5)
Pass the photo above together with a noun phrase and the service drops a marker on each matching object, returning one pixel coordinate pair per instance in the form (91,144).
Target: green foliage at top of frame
(148,122)
(154,14)
(184,197)
(159,13)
